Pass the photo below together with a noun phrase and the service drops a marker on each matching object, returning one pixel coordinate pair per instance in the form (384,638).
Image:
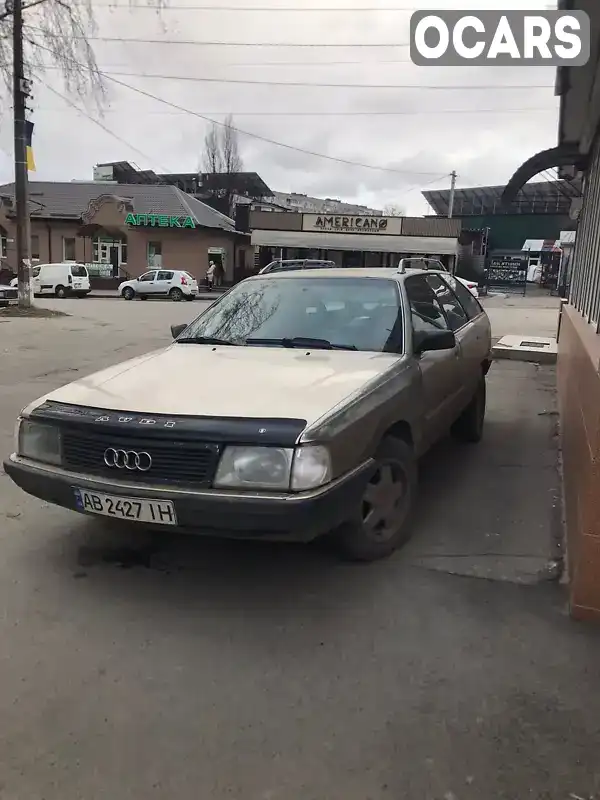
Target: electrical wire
(133,40)
(242,132)
(84,113)
(296,84)
(434,112)
(270,9)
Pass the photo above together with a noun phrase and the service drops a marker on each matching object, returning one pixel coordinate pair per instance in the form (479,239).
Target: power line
(320,85)
(258,137)
(270,9)
(313,85)
(264,138)
(131,40)
(434,112)
(100,125)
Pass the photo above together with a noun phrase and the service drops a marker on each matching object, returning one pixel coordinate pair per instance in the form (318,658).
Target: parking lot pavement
(136,666)
(535,314)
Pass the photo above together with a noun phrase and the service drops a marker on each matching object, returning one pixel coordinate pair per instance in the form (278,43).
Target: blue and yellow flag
(28,138)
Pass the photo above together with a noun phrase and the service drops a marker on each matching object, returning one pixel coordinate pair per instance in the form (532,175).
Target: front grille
(178,462)
(9,294)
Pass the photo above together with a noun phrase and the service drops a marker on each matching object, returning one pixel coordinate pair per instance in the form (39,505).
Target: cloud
(424,138)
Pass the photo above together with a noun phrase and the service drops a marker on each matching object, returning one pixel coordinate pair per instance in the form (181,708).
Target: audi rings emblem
(127,459)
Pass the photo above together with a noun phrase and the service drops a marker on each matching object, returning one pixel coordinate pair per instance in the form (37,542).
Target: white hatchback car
(174,283)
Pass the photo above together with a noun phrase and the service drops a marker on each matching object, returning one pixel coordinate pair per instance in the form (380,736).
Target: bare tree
(232,160)
(393,210)
(222,160)
(212,161)
(56,34)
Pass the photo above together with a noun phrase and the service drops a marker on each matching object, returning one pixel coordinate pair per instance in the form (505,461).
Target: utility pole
(452,190)
(21,91)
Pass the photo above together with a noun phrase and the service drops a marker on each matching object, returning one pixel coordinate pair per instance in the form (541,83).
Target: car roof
(391,273)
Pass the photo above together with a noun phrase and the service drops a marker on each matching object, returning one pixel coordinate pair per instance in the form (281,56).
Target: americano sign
(335,223)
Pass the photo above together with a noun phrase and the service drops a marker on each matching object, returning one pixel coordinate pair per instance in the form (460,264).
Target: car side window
(455,313)
(425,310)
(470,304)
(148,276)
(164,276)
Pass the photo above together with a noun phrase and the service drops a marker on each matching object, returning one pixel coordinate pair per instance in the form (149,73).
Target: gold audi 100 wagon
(296,406)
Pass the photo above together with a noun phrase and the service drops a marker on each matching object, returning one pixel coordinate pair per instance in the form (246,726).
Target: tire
(128,293)
(469,426)
(370,536)
(60,292)
(176,295)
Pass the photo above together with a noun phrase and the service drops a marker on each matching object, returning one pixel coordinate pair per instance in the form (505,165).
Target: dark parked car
(8,295)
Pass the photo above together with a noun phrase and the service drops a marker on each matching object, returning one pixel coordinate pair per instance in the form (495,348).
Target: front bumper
(293,517)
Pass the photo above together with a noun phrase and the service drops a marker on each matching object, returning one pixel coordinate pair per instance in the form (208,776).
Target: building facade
(122,231)
(353,240)
(578,152)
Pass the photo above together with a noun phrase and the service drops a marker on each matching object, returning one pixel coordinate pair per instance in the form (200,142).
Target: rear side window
(466,299)
(455,313)
(426,312)
(165,276)
(79,271)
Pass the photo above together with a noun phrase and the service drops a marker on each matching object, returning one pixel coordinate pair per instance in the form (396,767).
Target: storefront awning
(368,243)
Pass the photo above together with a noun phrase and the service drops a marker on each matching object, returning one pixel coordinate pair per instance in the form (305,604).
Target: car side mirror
(434,340)
(176,330)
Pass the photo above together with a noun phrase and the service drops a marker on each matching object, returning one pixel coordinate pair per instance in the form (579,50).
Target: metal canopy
(368,243)
(539,197)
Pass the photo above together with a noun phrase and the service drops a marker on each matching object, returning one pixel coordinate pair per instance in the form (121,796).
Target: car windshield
(78,271)
(354,313)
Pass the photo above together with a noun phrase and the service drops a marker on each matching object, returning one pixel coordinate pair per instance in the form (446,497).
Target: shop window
(3,243)
(35,246)
(69,248)
(154,254)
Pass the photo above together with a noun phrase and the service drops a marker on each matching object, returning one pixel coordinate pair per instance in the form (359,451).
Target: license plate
(158,512)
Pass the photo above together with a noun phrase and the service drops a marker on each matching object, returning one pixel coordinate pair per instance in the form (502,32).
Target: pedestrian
(210,275)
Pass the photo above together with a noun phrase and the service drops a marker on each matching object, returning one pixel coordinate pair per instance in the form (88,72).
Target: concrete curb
(533,349)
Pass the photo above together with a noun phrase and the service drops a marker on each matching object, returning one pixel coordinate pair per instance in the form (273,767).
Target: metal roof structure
(539,197)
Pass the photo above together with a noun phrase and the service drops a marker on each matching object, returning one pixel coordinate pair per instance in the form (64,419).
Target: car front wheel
(469,426)
(128,293)
(382,523)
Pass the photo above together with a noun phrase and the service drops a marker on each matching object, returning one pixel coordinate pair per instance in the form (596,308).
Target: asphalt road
(161,667)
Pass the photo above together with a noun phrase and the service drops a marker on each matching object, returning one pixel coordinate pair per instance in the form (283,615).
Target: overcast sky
(418,135)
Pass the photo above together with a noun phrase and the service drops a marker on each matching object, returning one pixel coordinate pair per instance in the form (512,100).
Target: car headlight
(273,468)
(38,442)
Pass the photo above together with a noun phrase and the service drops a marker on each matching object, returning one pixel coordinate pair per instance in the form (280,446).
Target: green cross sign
(159,220)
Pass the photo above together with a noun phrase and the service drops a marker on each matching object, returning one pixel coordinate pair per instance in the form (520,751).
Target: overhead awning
(368,243)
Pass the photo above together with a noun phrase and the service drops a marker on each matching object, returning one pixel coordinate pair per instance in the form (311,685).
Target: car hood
(204,380)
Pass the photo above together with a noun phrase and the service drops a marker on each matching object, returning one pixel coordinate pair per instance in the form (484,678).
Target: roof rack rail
(419,262)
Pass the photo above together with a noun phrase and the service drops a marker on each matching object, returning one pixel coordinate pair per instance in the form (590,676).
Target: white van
(68,279)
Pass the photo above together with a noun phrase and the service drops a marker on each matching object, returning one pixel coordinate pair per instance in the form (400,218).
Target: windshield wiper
(204,340)
(303,341)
